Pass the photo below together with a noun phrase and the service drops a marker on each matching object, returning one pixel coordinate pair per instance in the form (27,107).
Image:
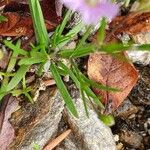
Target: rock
(131,138)
(42,121)
(37,123)
(137,27)
(69,144)
(126,109)
(137,56)
(90,133)
(119,146)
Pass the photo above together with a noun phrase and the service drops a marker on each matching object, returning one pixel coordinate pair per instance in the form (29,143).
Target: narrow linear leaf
(86,88)
(80,52)
(144,47)
(18,77)
(63,90)
(95,99)
(15,48)
(101,32)
(114,47)
(78,84)
(39,24)
(84,102)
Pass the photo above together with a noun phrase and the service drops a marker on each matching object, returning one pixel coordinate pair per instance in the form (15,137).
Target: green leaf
(15,48)
(17,78)
(65,20)
(114,47)
(107,119)
(71,34)
(3,19)
(99,86)
(63,90)
(78,84)
(144,47)
(80,52)
(38,57)
(86,88)
(95,99)
(84,102)
(70,73)
(13,58)
(36,146)
(101,32)
(39,23)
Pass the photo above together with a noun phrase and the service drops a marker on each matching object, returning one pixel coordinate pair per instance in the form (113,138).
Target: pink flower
(93,10)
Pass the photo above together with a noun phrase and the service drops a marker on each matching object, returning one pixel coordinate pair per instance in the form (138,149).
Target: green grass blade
(84,102)
(15,48)
(95,99)
(101,32)
(114,47)
(39,23)
(72,33)
(144,47)
(63,90)
(65,20)
(80,52)
(18,77)
(37,57)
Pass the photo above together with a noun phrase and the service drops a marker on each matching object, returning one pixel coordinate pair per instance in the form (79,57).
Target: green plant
(53,49)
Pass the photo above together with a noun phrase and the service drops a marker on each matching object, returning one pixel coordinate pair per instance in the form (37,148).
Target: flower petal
(72,4)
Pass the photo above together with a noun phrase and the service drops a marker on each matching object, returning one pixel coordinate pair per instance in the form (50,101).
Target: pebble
(131,138)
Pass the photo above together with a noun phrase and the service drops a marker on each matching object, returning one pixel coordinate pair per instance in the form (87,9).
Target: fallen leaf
(5,56)
(4,2)
(110,71)
(51,9)
(17,25)
(131,24)
(7,107)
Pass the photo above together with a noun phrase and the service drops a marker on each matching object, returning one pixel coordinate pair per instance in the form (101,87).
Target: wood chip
(56,141)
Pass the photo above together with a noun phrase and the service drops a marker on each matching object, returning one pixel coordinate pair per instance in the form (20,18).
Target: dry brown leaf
(17,25)
(7,107)
(110,71)
(4,2)
(51,9)
(21,25)
(131,24)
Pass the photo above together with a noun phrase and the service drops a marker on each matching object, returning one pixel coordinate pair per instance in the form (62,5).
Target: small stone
(126,109)
(131,138)
(116,137)
(119,146)
(132,116)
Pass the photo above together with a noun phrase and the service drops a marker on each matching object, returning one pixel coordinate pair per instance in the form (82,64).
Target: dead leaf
(5,58)
(131,24)
(51,9)
(17,25)
(8,106)
(110,71)
(4,2)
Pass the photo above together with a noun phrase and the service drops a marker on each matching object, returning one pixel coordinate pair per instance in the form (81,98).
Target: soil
(132,128)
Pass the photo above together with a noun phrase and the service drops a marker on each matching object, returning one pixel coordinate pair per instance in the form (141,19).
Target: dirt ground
(132,128)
